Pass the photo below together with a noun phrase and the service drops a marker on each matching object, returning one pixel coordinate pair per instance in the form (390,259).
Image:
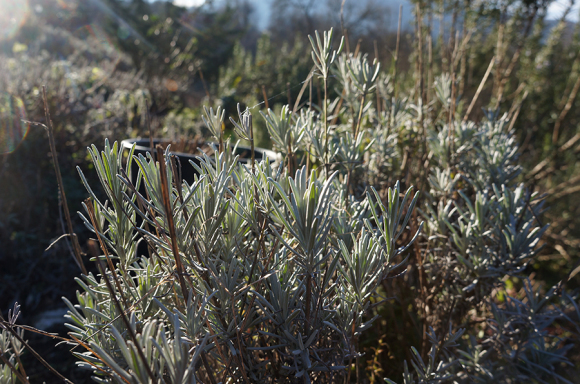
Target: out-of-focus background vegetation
(108,65)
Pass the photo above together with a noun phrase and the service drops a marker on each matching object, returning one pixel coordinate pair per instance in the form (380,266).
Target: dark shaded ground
(58,356)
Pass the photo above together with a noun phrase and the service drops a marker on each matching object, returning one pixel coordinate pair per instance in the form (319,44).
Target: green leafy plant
(265,274)
(279,272)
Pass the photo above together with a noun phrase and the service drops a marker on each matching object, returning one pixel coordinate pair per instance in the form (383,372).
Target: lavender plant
(273,272)
(269,292)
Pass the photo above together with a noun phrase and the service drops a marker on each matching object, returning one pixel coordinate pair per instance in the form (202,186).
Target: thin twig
(8,326)
(397,46)
(265,96)
(204,85)
(75,241)
(150,128)
(506,75)
(479,89)
(377,92)
(18,374)
(562,116)
(165,191)
(306,83)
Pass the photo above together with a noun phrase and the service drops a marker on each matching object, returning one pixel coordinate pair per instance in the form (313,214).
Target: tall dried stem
(166,191)
(75,242)
(397,47)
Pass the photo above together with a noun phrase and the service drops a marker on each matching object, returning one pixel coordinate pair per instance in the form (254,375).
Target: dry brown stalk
(562,116)
(441,36)
(397,47)
(18,374)
(9,327)
(150,128)
(207,94)
(165,191)
(514,118)
(479,89)
(421,96)
(452,36)
(463,57)
(76,246)
(429,58)
(265,95)
(307,82)
(420,56)
(377,92)
(505,76)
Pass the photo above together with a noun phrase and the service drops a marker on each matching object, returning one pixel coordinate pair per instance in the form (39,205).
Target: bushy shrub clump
(274,271)
(93,93)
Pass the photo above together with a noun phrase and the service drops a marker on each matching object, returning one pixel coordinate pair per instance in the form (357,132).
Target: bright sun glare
(188,3)
(12,14)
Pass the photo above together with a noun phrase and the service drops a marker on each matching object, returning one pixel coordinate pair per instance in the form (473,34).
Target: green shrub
(291,271)
(275,272)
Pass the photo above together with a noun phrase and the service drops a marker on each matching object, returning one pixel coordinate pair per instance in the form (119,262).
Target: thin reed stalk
(75,242)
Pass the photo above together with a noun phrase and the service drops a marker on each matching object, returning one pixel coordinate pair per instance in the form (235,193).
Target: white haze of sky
(262,8)
(557,8)
(188,3)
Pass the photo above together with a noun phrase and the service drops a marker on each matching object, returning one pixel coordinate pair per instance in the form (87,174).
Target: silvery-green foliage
(321,52)
(441,361)
(396,114)
(356,78)
(363,74)
(486,152)
(482,226)
(443,89)
(10,348)
(349,152)
(265,170)
(519,346)
(214,121)
(309,219)
(364,266)
(437,217)
(313,132)
(385,84)
(244,128)
(390,221)
(348,219)
(348,87)
(441,182)
(120,233)
(213,166)
(496,235)
(284,131)
(491,225)
(127,356)
(520,328)
(7,376)
(497,152)
(383,154)
(282,268)
(440,142)
(270,268)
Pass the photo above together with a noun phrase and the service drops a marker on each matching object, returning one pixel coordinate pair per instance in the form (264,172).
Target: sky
(263,9)
(557,7)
